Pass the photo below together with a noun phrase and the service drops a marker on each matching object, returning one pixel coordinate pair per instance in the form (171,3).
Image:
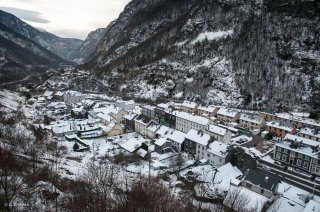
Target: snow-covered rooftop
(177,136)
(289,116)
(279,125)
(251,118)
(130,116)
(198,136)
(217,130)
(189,104)
(163,106)
(312,206)
(209,108)
(150,107)
(302,140)
(104,116)
(160,141)
(164,130)
(153,127)
(196,119)
(311,132)
(218,148)
(73,93)
(227,112)
(131,145)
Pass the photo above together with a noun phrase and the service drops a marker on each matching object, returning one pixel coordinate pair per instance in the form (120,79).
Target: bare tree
(236,199)
(177,163)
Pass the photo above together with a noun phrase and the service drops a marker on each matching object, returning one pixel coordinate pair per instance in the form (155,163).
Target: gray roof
(262,180)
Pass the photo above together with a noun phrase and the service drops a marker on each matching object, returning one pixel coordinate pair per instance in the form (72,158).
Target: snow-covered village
(215,156)
(160,105)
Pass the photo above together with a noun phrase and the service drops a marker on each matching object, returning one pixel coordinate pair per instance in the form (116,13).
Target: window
(278,156)
(203,148)
(285,150)
(262,191)
(248,185)
(284,157)
(305,165)
(208,155)
(298,162)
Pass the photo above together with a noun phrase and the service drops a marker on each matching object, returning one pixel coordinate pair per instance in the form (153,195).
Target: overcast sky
(66,18)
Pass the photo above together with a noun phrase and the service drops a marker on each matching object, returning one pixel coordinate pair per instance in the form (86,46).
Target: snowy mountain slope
(64,47)
(254,53)
(20,56)
(89,45)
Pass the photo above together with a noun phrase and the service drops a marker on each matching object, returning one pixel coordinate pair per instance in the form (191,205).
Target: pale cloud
(27,15)
(66,18)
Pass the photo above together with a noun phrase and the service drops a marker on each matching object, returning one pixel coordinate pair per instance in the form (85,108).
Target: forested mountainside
(89,45)
(20,56)
(253,53)
(63,47)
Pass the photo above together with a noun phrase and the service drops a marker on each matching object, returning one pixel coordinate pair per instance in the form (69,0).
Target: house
(125,105)
(189,107)
(112,129)
(131,145)
(260,183)
(186,121)
(228,115)
(219,133)
(216,153)
(196,142)
(140,124)
(162,145)
(299,152)
(279,129)
(251,121)
(313,134)
(207,111)
(267,115)
(163,131)
(73,97)
(149,111)
(88,103)
(129,120)
(165,115)
(176,138)
(58,95)
(104,118)
(63,128)
(119,114)
(152,129)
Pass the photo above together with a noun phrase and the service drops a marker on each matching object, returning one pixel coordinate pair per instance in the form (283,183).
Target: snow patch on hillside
(212,36)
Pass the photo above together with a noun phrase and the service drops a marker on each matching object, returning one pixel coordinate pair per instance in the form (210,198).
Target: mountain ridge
(64,47)
(152,47)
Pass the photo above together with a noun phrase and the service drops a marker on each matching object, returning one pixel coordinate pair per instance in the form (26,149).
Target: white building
(189,107)
(219,133)
(196,143)
(313,134)
(186,122)
(216,153)
(228,115)
(176,138)
(140,125)
(152,129)
(73,97)
(126,105)
(207,111)
(251,121)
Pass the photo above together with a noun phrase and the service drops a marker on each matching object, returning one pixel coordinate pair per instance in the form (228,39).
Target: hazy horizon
(65,18)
